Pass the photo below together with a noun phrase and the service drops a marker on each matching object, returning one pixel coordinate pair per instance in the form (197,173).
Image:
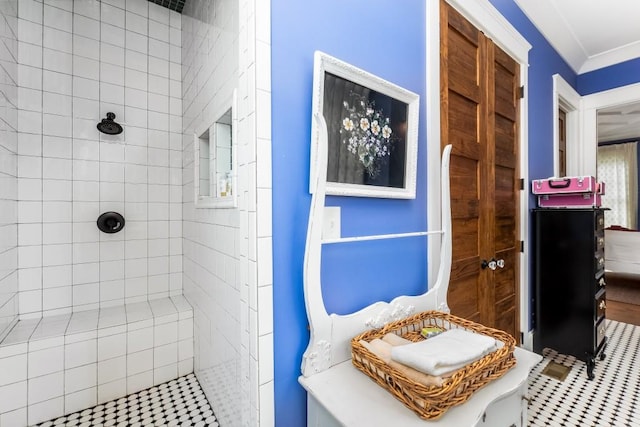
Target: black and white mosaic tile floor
(612,399)
(180,402)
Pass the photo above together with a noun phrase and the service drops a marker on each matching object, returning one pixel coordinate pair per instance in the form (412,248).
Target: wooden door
(562,142)
(479,117)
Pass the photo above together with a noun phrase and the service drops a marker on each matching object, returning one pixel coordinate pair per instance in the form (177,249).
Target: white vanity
(344,396)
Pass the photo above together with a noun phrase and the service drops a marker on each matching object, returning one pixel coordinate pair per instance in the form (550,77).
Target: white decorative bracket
(389,314)
(320,358)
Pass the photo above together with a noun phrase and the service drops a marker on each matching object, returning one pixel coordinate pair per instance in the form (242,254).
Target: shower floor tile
(179,402)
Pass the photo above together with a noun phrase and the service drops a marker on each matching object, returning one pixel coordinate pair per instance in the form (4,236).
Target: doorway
(617,166)
(605,102)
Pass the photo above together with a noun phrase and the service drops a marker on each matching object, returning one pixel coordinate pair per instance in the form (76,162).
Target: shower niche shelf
(215,160)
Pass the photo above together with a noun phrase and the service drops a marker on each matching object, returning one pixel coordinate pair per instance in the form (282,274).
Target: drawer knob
(601,261)
(600,241)
(601,221)
(602,282)
(603,305)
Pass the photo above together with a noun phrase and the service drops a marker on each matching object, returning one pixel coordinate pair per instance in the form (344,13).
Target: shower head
(108,126)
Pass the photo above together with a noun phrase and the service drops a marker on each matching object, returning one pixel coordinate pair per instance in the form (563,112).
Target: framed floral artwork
(372,128)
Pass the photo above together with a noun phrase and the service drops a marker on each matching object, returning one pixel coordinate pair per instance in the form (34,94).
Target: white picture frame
(372,130)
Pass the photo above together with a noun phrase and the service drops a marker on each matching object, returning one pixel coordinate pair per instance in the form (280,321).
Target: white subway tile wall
(77,61)
(227,253)
(255,75)
(9,167)
(211,263)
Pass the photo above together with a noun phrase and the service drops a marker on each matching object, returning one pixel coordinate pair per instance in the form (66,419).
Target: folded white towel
(394,339)
(382,349)
(444,353)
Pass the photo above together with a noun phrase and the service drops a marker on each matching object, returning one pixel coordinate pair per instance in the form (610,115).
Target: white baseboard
(527,341)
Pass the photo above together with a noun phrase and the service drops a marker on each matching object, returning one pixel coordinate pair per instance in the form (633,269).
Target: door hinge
(521,183)
(522,246)
(521,92)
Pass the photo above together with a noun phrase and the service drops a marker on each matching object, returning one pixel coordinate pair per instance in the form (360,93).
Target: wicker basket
(431,402)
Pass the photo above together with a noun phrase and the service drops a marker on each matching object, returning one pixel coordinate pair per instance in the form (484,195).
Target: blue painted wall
(611,77)
(386,38)
(544,62)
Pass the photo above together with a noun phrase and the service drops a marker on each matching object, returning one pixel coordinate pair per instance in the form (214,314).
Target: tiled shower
(87,316)
(75,66)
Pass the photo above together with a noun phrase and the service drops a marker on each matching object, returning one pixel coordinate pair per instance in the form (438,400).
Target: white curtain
(618,169)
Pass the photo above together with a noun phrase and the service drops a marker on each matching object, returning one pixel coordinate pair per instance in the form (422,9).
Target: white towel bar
(379,237)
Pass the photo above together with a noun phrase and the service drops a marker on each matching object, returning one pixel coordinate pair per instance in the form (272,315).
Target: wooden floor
(622,312)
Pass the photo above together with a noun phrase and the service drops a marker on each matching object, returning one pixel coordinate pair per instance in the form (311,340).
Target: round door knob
(500,263)
(490,264)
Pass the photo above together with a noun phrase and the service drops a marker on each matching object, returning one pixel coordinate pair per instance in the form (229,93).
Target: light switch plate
(331,225)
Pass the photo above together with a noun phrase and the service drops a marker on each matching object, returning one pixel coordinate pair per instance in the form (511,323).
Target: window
(618,169)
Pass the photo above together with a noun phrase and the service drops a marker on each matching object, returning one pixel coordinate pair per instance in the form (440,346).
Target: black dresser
(570,291)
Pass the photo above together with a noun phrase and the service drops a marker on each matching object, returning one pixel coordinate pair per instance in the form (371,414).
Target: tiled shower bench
(60,364)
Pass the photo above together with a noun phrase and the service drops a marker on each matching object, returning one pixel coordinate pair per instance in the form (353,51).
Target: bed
(622,252)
